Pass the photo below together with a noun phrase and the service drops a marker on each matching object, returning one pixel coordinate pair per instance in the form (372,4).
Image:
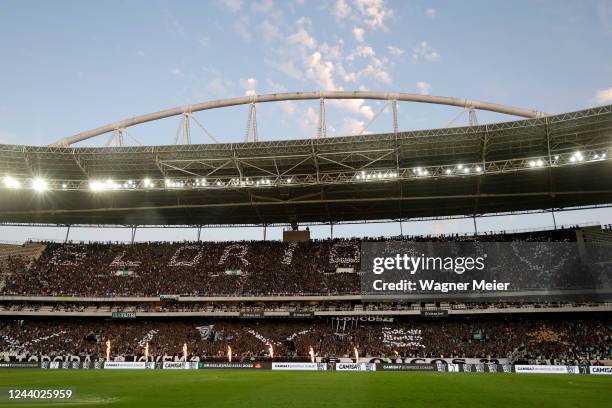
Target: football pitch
(235,388)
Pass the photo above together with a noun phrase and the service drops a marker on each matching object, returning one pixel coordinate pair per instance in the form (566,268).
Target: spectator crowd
(562,337)
(255,268)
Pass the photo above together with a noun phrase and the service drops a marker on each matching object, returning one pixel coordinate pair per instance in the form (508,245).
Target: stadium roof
(547,162)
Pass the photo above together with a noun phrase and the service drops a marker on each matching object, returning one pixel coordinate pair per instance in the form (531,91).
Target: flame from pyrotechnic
(270,351)
(185,351)
(107,350)
(312,355)
(229,354)
(356,354)
(146,349)
(396,353)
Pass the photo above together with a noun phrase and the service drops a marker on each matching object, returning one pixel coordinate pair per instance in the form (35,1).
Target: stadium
(340,300)
(300,304)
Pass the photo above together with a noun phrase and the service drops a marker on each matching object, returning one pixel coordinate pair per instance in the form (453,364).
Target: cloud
(430,12)
(309,121)
(233,5)
(275,87)
(365,51)
(249,86)
(351,126)
(346,75)
(288,68)
(269,31)
(603,96)
(331,52)
(426,52)
(395,51)
(326,66)
(288,107)
(376,72)
(176,71)
(358,33)
(373,13)
(320,71)
(341,9)
(423,87)
(302,38)
(355,106)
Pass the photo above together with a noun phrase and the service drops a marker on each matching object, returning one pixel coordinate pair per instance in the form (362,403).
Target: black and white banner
(128,365)
(355,367)
(600,370)
(405,367)
(546,369)
(299,366)
(180,365)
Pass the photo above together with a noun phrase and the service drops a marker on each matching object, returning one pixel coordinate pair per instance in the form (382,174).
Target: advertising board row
(298,366)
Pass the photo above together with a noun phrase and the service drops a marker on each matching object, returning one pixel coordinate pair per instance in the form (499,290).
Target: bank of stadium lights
(10,182)
(376,175)
(576,157)
(174,183)
(39,184)
(536,163)
(104,185)
(420,172)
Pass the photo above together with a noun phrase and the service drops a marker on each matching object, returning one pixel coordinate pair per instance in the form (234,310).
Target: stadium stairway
(27,251)
(30,251)
(596,234)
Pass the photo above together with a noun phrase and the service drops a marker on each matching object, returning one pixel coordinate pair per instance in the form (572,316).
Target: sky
(70,66)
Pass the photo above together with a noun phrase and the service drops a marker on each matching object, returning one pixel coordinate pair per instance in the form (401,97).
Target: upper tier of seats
(212,268)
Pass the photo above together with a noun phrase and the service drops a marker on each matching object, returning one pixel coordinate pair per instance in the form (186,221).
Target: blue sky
(69,66)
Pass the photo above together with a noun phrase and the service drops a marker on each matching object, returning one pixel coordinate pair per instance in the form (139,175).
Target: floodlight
(10,182)
(39,184)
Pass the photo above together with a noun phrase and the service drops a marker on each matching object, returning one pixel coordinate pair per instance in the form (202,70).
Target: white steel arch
(278,97)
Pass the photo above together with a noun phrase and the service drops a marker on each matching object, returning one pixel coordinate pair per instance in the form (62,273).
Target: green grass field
(234,388)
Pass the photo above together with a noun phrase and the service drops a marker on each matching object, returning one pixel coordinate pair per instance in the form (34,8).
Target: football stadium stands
(258,268)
